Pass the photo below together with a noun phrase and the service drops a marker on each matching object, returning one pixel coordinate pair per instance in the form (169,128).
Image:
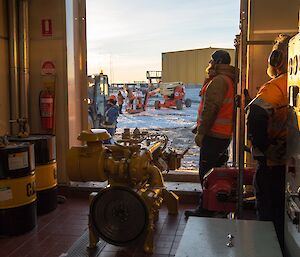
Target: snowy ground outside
(176,124)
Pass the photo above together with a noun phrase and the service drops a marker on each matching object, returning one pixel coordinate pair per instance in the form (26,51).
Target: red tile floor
(58,230)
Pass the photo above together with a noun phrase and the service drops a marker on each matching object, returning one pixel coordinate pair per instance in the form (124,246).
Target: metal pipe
(234,126)
(13,62)
(260,42)
(155,177)
(24,57)
(83,61)
(243,82)
(155,146)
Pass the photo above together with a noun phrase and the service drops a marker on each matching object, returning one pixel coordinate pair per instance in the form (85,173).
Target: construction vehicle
(138,100)
(174,96)
(98,93)
(153,76)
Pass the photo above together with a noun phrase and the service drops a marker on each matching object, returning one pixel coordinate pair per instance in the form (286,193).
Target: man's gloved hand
(194,130)
(199,139)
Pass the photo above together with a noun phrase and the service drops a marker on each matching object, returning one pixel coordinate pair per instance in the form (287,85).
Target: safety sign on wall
(48,68)
(47,27)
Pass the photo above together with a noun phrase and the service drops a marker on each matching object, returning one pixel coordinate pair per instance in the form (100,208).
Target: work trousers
(213,153)
(112,132)
(120,108)
(269,186)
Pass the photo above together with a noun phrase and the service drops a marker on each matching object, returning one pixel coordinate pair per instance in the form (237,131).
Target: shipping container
(188,66)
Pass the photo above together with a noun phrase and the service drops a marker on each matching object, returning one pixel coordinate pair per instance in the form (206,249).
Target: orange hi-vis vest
(272,97)
(223,123)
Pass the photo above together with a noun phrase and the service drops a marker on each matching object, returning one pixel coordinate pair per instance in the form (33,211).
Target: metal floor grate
(79,248)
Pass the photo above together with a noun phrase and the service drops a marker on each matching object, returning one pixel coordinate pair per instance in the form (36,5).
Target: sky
(125,38)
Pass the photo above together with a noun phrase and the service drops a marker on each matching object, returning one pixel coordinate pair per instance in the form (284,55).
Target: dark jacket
(111,115)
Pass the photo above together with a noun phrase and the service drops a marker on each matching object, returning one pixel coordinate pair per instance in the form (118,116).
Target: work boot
(198,212)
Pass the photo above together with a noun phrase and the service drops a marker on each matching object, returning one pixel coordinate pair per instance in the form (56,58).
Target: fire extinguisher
(46,104)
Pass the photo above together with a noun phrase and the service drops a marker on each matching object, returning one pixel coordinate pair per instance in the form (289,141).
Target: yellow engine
(128,207)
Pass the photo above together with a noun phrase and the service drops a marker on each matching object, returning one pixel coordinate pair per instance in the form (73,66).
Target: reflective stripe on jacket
(223,123)
(110,117)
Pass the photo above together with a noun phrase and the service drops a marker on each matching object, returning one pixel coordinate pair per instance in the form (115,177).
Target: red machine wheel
(178,104)
(188,102)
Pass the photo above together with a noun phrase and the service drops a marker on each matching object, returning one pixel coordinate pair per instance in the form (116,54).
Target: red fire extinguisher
(46,100)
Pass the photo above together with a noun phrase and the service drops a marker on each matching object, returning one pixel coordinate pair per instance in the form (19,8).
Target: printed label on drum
(18,161)
(5,194)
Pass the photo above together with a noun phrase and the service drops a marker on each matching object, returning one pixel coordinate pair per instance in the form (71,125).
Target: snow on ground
(176,124)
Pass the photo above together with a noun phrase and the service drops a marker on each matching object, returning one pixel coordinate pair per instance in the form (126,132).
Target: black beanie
(221,57)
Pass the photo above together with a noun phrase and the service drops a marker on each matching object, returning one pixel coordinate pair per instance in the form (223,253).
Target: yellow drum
(17,190)
(45,171)
(46,187)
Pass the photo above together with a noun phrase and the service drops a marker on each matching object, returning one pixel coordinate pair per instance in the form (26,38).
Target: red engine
(220,188)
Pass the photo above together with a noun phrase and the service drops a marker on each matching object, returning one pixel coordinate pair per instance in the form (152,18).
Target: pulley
(118,215)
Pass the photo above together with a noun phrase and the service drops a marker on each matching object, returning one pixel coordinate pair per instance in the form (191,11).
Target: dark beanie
(221,57)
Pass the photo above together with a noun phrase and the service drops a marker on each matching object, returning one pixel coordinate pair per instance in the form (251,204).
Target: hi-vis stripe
(17,192)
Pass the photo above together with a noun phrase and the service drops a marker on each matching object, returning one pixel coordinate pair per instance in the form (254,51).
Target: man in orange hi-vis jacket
(267,125)
(215,116)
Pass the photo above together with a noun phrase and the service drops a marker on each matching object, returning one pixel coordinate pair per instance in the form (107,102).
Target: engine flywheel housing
(118,215)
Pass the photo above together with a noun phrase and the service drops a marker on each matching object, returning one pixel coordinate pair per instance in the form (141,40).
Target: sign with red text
(48,68)
(47,28)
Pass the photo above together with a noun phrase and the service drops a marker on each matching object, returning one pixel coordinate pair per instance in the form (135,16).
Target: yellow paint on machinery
(17,192)
(96,162)
(46,176)
(130,167)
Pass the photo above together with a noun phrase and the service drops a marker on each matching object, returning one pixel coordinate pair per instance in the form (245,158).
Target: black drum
(44,147)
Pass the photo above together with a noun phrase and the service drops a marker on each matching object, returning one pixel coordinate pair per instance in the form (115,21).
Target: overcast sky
(126,37)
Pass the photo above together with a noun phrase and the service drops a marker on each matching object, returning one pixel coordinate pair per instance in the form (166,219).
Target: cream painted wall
(49,48)
(77,69)
(188,66)
(268,19)
(4,70)
(62,48)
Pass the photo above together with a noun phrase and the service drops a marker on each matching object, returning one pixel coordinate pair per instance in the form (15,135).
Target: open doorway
(125,40)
